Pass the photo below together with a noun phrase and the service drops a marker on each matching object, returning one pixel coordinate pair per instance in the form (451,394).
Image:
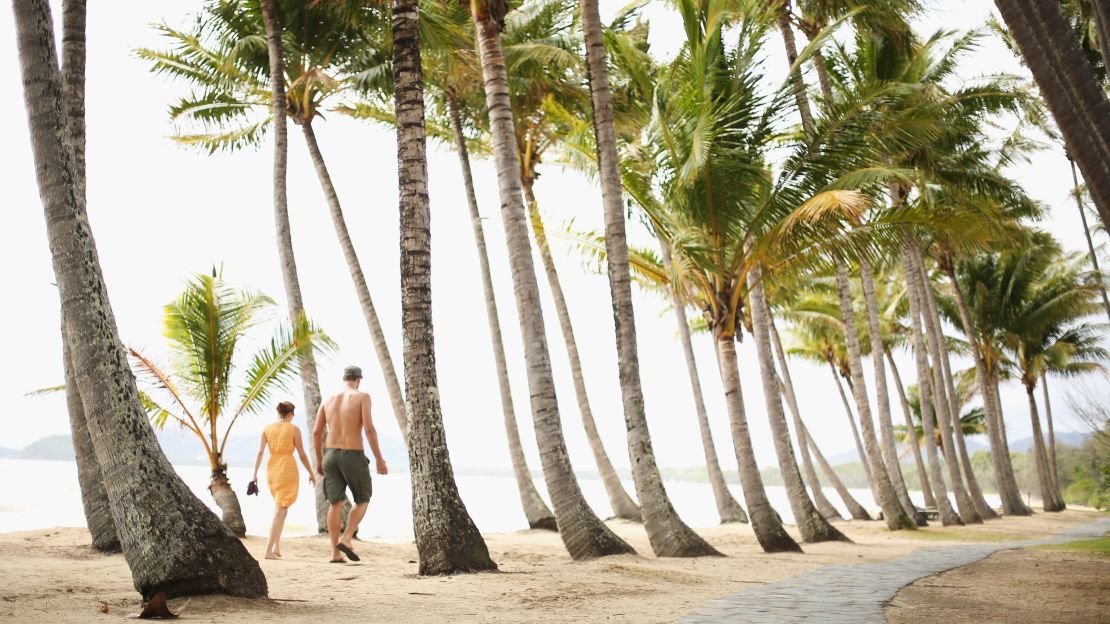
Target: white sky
(161,212)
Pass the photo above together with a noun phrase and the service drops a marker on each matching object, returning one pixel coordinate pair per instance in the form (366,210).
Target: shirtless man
(346,416)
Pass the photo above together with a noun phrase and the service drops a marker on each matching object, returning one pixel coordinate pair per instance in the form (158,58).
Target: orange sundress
(281,469)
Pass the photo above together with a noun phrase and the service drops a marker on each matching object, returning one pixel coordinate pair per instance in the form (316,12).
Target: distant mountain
(5,453)
(1063,438)
(1023,445)
(57,447)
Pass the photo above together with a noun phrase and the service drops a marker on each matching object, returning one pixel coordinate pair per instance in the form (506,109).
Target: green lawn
(946,535)
(1099,545)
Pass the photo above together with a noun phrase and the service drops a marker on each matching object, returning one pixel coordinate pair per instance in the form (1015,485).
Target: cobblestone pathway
(855,594)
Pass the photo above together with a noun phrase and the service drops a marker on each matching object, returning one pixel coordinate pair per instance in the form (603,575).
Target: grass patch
(946,535)
(1099,545)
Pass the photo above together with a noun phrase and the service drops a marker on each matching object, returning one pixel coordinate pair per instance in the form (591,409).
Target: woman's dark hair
(285,408)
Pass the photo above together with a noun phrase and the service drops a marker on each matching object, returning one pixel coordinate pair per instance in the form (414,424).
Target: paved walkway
(856,594)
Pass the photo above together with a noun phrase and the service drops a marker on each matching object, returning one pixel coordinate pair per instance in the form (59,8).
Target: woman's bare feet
(273,556)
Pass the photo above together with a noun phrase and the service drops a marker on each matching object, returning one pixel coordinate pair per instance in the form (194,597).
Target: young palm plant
(205,327)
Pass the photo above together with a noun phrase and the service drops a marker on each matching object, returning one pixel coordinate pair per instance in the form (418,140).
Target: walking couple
(344,465)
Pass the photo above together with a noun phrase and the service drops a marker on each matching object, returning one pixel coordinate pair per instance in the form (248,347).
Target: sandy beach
(52,576)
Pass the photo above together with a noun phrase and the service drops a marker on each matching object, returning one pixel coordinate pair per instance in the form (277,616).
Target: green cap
(352,372)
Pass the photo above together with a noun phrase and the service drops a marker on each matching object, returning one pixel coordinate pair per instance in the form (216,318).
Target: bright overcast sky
(161,213)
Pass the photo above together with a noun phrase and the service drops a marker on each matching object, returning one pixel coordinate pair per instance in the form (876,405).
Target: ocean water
(38,494)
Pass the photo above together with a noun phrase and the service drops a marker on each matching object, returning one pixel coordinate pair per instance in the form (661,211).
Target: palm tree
(583,534)
(224,60)
(98,513)
(194,554)
(1077,192)
(973,421)
(205,326)
(310,383)
(1069,86)
(446,539)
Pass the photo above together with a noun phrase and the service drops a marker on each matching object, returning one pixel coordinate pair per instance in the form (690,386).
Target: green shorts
(347,469)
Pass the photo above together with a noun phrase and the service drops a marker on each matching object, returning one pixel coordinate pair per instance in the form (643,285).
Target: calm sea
(39,494)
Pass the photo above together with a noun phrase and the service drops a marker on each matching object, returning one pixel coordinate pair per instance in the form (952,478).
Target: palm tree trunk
(1049,498)
(1052,464)
(1012,504)
(170,539)
(535,509)
(977,500)
(811,523)
(786,388)
(786,31)
(381,347)
(1086,229)
(98,515)
(946,411)
(895,516)
(310,382)
(766,524)
(1102,30)
(622,504)
(668,534)
(911,432)
(447,542)
(1070,89)
(882,397)
(727,508)
(855,509)
(855,431)
(227,501)
(583,534)
(948,515)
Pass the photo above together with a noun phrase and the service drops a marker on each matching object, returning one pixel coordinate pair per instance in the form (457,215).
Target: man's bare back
(344,416)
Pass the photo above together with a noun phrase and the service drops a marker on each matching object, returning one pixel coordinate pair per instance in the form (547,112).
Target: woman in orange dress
(282,437)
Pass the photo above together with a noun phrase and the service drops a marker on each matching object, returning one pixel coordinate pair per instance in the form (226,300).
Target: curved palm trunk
(1083,219)
(622,504)
(786,31)
(1071,91)
(946,414)
(948,515)
(911,432)
(227,501)
(765,521)
(882,397)
(150,504)
(855,430)
(1012,504)
(786,388)
(811,523)
(668,534)
(583,534)
(1049,497)
(447,541)
(977,500)
(381,347)
(893,513)
(1052,464)
(310,382)
(98,515)
(856,510)
(727,508)
(535,510)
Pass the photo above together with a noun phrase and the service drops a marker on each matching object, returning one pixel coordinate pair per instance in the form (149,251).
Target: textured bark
(535,509)
(1052,465)
(855,430)
(668,534)
(1069,86)
(583,534)
(171,541)
(786,31)
(621,503)
(381,347)
(228,502)
(911,431)
(882,397)
(727,508)
(310,381)
(946,414)
(765,521)
(811,523)
(1087,230)
(1050,499)
(981,507)
(1012,504)
(447,541)
(94,499)
(786,388)
(895,516)
(948,515)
